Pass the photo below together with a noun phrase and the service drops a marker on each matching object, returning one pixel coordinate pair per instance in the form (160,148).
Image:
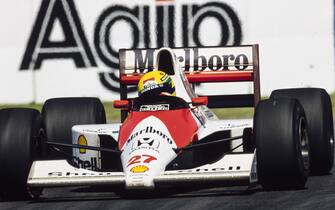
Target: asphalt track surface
(319,193)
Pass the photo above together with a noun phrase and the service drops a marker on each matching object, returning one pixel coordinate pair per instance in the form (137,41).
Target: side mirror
(200,101)
(121,104)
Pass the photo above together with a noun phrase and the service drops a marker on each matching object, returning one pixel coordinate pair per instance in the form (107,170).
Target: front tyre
(19,146)
(280,130)
(60,114)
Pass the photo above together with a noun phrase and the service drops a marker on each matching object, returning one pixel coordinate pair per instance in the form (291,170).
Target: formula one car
(170,140)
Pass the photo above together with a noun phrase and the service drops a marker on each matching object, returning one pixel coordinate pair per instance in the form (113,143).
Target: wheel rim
(304,142)
(331,139)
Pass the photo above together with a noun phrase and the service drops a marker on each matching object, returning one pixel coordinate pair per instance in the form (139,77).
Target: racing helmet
(156,83)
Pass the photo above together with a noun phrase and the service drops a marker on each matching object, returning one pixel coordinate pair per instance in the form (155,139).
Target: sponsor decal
(231,125)
(91,164)
(72,173)
(150,129)
(149,81)
(98,131)
(146,142)
(140,18)
(139,169)
(140,159)
(209,114)
(82,141)
(191,57)
(151,87)
(209,170)
(199,115)
(156,107)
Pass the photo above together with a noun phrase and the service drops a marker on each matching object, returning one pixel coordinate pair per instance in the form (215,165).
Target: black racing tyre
(318,109)
(60,114)
(280,131)
(19,146)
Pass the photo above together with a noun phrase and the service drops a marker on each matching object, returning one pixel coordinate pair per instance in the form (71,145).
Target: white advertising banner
(60,48)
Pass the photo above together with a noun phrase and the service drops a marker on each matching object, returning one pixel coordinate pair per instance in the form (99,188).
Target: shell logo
(139,169)
(82,141)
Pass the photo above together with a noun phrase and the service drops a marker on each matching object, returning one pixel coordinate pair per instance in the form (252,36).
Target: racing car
(170,140)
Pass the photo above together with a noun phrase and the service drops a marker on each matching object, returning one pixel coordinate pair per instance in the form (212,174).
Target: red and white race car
(169,140)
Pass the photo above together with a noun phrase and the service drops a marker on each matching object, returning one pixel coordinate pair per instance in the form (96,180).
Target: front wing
(239,169)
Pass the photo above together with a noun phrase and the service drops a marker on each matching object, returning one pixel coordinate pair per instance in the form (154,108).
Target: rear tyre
(19,146)
(318,109)
(280,131)
(60,114)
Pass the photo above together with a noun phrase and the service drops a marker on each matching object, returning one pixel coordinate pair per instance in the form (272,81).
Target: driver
(155,83)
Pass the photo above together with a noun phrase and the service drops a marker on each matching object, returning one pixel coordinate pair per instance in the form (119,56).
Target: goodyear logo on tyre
(139,169)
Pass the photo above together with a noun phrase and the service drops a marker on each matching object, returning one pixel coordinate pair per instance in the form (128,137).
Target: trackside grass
(113,115)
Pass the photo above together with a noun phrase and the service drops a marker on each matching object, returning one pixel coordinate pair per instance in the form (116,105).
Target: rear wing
(201,65)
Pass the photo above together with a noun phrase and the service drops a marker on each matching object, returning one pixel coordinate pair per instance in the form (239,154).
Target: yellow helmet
(156,83)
